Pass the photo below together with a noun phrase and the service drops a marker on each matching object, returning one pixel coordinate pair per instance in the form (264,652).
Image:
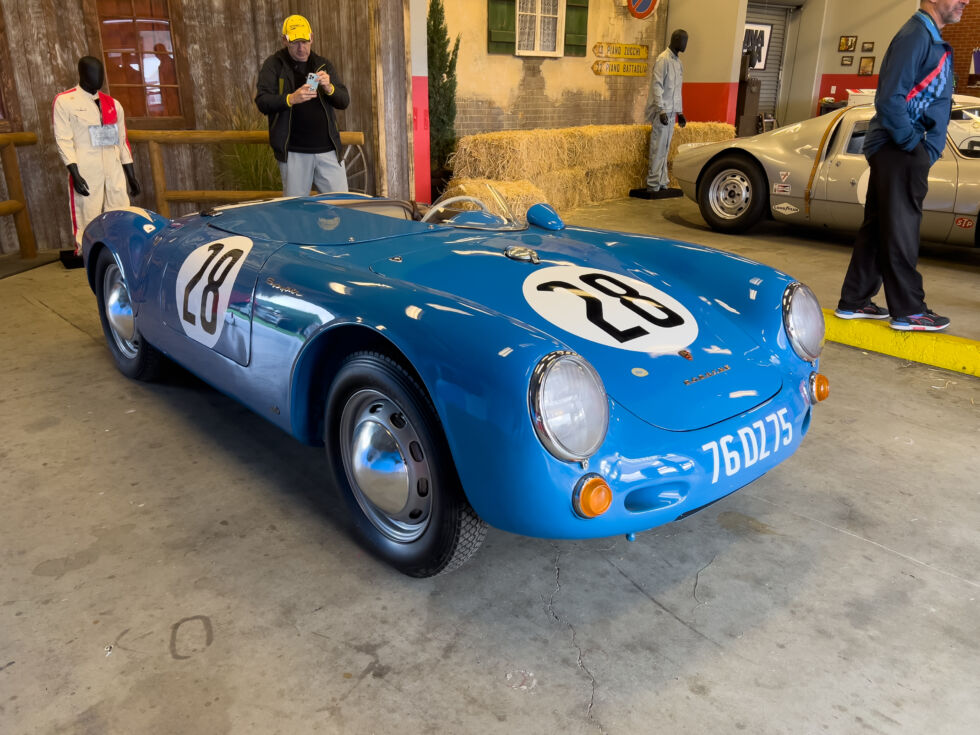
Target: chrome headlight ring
(569,406)
(803,321)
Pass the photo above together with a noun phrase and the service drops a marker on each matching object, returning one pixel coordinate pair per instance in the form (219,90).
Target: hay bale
(570,167)
(511,155)
(518,195)
(565,188)
(596,146)
(700,132)
(613,181)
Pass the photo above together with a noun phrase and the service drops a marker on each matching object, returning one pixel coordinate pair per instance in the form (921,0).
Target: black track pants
(887,246)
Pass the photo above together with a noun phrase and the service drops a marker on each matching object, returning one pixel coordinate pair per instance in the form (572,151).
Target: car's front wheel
(394,470)
(133,355)
(733,194)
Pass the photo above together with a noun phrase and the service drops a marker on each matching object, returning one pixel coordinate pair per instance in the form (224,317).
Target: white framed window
(540,27)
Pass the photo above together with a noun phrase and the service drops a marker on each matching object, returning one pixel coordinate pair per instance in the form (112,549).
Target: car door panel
(842,187)
(202,285)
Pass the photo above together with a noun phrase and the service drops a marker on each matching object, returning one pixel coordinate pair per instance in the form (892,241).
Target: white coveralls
(664,96)
(99,160)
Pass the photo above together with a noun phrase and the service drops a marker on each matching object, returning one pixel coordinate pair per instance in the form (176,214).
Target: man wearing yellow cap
(302,125)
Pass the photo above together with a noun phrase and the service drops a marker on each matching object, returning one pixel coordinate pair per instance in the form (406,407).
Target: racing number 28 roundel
(204,285)
(611,309)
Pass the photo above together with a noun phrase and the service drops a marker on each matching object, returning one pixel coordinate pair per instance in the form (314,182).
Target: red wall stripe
(843,82)
(710,101)
(420,138)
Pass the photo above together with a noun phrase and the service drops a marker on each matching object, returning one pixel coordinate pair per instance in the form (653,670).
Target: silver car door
(843,190)
(838,199)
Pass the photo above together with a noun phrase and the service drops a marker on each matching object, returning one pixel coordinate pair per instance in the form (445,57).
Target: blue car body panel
(689,422)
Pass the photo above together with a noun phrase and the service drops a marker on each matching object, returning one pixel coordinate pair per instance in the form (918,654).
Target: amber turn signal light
(592,497)
(819,388)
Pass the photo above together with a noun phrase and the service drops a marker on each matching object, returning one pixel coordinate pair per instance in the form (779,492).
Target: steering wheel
(452,200)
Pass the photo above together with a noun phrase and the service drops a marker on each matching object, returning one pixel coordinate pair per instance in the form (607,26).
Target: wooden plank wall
(225,43)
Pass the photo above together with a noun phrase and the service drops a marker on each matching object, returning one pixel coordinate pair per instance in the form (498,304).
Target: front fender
(476,367)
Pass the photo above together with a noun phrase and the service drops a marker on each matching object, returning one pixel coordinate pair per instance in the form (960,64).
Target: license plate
(752,443)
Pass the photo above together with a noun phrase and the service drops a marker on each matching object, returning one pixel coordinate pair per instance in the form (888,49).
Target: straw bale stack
(569,167)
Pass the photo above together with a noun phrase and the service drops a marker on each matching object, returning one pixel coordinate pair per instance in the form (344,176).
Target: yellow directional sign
(602,67)
(621,50)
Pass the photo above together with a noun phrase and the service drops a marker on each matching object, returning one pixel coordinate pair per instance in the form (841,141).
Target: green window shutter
(576,27)
(501,26)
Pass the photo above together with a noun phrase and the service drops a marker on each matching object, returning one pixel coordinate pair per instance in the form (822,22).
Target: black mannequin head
(678,41)
(91,74)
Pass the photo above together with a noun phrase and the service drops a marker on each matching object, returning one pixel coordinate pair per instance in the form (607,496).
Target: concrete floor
(173,564)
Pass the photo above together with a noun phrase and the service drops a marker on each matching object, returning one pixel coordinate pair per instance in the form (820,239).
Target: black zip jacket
(276,80)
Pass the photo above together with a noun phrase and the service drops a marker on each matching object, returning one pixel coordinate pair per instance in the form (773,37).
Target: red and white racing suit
(99,160)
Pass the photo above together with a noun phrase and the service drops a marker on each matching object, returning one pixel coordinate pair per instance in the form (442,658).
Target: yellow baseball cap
(296,28)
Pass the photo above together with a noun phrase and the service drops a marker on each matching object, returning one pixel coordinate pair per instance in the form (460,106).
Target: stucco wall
(877,22)
(506,92)
(713,57)
(816,29)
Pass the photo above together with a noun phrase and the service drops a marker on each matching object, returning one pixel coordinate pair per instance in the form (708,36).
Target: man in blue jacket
(906,136)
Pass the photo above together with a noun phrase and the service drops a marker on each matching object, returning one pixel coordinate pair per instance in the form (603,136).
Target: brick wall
(964,37)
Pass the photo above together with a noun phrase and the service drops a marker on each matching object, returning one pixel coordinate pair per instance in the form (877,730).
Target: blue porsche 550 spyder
(465,368)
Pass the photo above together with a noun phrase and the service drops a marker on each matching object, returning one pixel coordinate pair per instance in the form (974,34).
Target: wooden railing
(156,138)
(17,204)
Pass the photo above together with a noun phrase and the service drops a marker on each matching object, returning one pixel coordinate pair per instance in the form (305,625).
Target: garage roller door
(776,16)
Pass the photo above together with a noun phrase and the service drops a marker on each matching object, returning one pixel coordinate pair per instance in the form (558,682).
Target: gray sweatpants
(660,137)
(303,171)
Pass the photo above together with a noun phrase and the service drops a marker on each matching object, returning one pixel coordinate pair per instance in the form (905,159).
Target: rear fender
(129,234)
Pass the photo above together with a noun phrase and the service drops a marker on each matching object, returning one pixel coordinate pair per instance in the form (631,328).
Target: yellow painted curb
(931,348)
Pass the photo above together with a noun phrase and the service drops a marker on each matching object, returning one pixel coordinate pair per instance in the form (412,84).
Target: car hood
(673,357)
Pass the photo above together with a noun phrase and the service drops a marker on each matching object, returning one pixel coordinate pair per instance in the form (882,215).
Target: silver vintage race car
(813,173)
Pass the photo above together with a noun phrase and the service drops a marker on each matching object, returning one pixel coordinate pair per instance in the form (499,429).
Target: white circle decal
(611,309)
(204,285)
(862,186)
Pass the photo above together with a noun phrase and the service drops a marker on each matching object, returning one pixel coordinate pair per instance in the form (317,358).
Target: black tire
(135,357)
(733,195)
(394,470)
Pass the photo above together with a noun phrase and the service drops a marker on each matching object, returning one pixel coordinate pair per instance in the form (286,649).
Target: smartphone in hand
(313,81)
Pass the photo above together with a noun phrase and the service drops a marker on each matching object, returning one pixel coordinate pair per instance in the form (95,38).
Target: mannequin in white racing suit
(90,131)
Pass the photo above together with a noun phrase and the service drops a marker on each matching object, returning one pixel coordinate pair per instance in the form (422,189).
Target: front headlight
(568,406)
(803,320)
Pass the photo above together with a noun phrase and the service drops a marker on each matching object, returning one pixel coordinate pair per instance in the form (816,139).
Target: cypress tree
(442,94)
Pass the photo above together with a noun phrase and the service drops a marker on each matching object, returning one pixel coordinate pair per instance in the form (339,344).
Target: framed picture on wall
(867,47)
(847,61)
(756,44)
(867,66)
(847,43)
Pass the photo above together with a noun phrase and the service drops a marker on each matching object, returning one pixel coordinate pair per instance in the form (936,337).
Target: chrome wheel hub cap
(730,194)
(386,466)
(119,311)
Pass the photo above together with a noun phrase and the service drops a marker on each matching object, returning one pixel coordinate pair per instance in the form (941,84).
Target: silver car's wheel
(730,194)
(134,357)
(733,194)
(394,470)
